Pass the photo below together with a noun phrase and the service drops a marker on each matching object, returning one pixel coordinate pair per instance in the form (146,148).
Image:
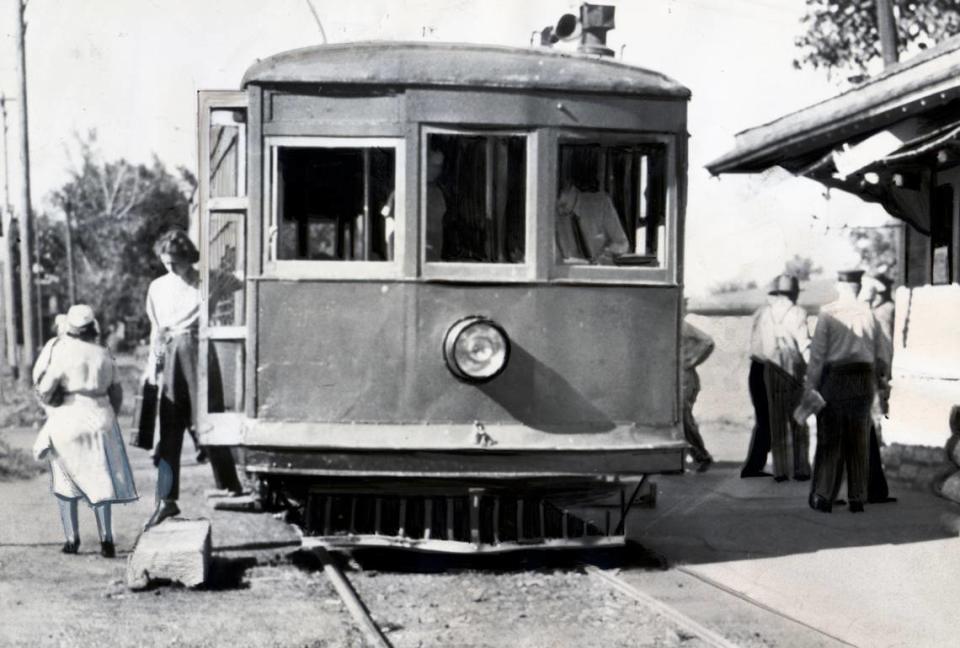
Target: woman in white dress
(77,380)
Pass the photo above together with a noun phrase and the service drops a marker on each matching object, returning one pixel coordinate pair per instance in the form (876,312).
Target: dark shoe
(201,456)
(705,465)
(881,500)
(817,503)
(802,478)
(780,478)
(754,473)
(164,511)
(70,547)
(107,550)
(856,507)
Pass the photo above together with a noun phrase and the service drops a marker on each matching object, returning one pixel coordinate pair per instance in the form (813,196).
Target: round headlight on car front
(476,349)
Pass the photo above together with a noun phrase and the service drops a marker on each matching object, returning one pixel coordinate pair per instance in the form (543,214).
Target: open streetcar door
(223,209)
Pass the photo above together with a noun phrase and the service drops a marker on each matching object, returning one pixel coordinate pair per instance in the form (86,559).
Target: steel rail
(703,633)
(348,595)
(763,606)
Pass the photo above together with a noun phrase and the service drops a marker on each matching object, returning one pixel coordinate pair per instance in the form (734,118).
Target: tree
(118,211)
(877,247)
(801,267)
(842,35)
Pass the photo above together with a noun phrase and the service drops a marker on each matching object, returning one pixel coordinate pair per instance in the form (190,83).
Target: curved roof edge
(906,88)
(456,64)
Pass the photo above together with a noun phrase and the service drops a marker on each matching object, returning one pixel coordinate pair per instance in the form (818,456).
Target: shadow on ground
(717,516)
(404,561)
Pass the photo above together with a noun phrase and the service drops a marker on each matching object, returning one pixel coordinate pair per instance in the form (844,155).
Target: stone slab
(240,531)
(175,551)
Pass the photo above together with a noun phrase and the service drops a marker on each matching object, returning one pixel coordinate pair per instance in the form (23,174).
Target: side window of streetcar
(227,151)
(611,205)
(335,204)
(475,198)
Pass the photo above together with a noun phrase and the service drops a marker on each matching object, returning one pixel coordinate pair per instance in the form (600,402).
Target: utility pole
(25,230)
(6,286)
(68,239)
(887,26)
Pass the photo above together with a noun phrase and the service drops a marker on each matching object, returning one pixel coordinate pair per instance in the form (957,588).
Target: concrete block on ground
(175,551)
(246,531)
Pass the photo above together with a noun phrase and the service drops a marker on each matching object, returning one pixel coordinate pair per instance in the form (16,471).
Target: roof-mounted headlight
(476,349)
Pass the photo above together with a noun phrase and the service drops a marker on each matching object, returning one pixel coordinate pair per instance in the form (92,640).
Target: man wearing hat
(779,344)
(848,358)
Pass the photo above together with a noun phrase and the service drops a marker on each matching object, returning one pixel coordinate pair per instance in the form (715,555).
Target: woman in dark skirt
(173,307)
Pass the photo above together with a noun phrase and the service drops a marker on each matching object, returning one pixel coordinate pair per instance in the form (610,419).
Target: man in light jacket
(848,358)
(779,349)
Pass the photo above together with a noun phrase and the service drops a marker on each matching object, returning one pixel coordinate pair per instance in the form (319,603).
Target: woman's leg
(104,522)
(68,517)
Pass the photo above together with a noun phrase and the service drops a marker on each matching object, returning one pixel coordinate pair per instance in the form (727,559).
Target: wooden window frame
(479,271)
(664,274)
(312,269)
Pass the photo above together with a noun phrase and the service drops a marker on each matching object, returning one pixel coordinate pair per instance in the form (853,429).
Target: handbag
(55,397)
(145,409)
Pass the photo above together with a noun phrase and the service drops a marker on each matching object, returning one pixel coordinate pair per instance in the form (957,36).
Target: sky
(130,69)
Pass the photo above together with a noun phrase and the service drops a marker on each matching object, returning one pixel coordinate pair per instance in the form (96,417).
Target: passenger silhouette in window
(588,227)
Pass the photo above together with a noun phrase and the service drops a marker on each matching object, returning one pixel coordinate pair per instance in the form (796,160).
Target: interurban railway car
(443,289)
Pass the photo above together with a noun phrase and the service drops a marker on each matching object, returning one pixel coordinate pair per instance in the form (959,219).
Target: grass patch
(16,464)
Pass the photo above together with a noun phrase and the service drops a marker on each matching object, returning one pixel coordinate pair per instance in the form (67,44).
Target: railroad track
(376,638)
(359,611)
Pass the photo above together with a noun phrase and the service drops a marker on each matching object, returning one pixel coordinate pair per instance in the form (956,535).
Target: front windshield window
(475,198)
(611,205)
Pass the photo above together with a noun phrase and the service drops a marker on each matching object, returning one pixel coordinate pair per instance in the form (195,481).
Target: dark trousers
(760,438)
(877,488)
(176,406)
(843,431)
(691,430)
(789,441)
(177,415)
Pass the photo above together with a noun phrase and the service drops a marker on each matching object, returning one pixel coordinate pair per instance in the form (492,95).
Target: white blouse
(173,307)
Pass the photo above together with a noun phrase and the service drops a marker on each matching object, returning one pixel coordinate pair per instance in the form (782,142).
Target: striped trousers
(789,441)
(843,431)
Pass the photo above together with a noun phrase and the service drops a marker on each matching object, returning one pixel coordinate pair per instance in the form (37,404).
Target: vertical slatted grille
(477,518)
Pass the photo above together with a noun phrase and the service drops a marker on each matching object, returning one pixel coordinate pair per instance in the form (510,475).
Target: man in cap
(848,358)
(779,348)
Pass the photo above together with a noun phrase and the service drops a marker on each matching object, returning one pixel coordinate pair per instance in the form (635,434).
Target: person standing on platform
(697,347)
(848,357)
(779,349)
(881,301)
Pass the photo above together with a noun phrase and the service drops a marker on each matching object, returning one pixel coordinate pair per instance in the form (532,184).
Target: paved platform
(886,577)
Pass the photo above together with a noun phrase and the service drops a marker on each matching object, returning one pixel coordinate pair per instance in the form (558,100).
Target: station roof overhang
(880,140)
(380,63)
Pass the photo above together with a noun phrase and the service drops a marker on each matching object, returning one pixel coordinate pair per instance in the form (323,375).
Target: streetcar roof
(460,65)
